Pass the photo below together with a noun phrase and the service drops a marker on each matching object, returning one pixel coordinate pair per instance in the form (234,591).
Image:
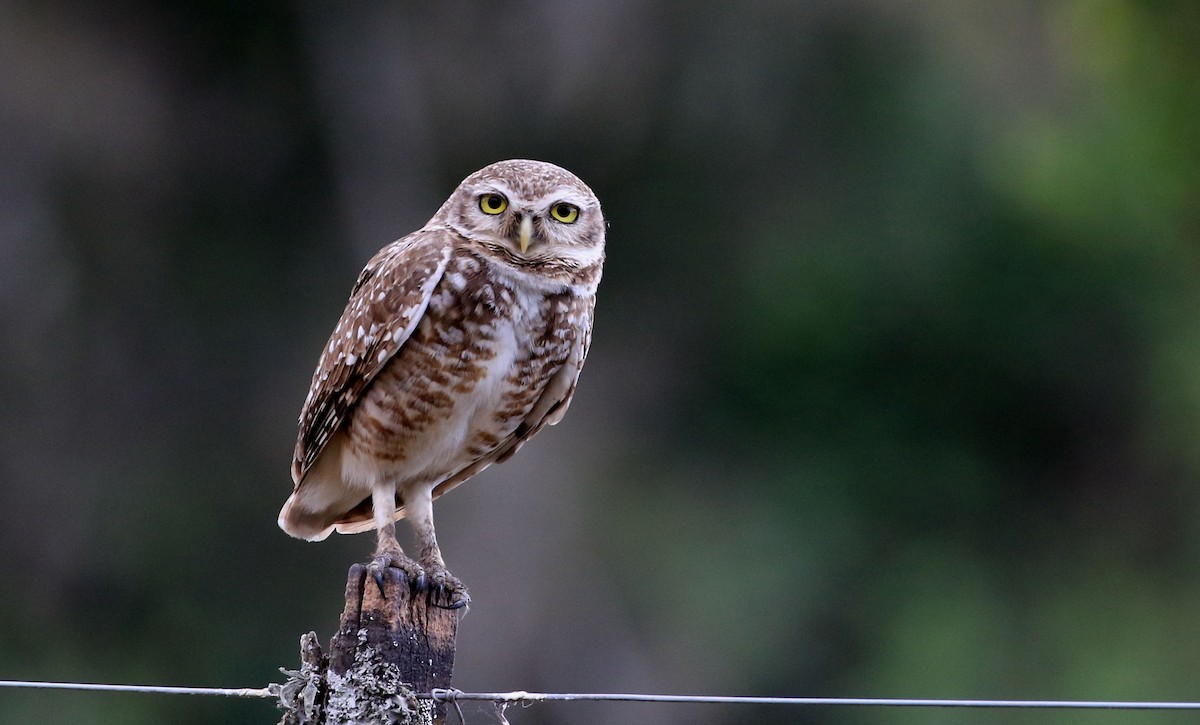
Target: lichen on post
(392,643)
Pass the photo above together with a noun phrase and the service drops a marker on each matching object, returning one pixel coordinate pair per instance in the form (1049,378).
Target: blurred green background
(894,390)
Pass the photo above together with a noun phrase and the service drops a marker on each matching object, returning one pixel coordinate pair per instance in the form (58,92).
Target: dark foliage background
(894,388)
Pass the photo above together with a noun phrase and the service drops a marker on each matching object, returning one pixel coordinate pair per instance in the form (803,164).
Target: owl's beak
(526,231)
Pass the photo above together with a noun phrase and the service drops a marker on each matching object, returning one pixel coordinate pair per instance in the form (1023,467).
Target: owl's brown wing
(387,302)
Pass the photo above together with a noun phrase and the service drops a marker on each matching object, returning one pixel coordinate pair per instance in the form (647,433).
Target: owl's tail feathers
(308,525)
(347,515)
(357,524)
(321,500)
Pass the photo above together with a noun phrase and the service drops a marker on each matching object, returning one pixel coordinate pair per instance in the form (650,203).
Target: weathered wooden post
(391,643)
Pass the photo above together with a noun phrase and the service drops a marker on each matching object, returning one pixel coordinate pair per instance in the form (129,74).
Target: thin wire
(521,696)
(156,689)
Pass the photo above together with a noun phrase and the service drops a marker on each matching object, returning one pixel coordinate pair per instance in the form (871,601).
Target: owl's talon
(457,599)
(408,569)
(446,597)
(445,590)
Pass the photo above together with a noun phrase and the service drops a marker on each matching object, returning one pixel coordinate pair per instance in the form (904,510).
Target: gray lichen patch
(302,696)
(372,692)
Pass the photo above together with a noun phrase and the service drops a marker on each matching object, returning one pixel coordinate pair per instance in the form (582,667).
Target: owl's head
(528,212)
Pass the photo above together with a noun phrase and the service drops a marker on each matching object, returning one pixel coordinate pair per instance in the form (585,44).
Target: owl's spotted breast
(465,381)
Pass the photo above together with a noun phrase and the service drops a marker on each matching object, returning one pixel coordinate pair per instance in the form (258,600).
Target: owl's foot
(394,558)
(445,590)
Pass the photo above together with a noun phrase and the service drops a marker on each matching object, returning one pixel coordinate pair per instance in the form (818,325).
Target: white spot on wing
(455,279)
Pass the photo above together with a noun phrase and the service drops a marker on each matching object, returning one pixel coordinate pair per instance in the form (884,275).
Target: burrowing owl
(459,342)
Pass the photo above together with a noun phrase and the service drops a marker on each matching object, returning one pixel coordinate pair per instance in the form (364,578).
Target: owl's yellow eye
(565,213)
(492,203)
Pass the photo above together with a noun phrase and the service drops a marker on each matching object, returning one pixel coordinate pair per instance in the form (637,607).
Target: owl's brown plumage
(459,342)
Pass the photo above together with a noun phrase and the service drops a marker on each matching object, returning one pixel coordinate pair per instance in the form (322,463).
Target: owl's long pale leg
(387,550)
(418,509)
